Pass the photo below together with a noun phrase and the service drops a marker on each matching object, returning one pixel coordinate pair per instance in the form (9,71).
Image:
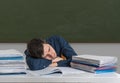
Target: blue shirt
(61,46)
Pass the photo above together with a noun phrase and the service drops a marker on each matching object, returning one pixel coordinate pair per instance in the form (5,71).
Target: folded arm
(36,63)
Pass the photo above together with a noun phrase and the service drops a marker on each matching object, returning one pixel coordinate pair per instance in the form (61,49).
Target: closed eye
(49,49)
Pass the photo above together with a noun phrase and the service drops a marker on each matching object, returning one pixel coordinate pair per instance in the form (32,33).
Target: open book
(56,70)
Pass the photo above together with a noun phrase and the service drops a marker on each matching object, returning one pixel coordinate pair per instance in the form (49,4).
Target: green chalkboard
(75,20)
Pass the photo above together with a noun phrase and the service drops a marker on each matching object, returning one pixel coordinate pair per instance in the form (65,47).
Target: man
(41,54)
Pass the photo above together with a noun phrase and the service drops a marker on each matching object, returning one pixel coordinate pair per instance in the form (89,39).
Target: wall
(75,20)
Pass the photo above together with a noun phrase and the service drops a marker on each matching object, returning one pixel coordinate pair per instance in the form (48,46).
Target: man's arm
(66,50)
(54,62)
(36,63)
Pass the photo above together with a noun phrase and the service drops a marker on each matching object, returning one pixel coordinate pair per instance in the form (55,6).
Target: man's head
(38,48)
(35,47)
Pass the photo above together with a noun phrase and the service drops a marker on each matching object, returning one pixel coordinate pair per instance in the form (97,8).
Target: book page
(46,71)
(69,70)
(54,70)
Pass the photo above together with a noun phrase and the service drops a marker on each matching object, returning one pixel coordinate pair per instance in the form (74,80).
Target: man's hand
(54,62)
(53,65)
(57,59)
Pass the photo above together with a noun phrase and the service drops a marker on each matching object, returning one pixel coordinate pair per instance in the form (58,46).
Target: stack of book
(12,62)
(94,63)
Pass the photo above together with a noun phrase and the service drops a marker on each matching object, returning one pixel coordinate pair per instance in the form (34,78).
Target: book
(10,53)
(12,58)
(56,70)
(93,69)
(95,60)
(12,62)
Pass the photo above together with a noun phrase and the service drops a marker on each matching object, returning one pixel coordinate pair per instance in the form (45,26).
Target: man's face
(49,52)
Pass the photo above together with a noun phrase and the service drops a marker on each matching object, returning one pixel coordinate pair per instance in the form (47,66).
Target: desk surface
(85,78)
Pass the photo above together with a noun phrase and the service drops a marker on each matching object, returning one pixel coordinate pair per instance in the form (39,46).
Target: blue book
(19,73)
(12,58)
(105,71)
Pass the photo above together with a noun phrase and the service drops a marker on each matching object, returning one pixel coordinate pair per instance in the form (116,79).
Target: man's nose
(50,52)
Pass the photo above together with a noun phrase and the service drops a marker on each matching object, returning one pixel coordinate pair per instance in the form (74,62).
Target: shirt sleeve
(66,50)
(36,63)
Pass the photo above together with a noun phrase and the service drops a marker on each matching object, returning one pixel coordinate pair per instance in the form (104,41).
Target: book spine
(105,71)
(85,63)
(11,58)
(83,67)
(92,61)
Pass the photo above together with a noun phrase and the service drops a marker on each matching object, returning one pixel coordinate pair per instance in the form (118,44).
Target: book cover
(95,60)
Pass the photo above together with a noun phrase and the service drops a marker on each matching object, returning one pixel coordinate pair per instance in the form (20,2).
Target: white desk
(86,78)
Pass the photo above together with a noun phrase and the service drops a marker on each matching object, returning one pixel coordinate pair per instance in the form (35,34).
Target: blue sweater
(61,47)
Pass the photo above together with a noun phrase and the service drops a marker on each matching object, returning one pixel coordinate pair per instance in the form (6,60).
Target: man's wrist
(53,64)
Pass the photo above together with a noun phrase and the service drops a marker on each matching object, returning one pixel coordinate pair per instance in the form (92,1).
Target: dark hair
(35,47)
